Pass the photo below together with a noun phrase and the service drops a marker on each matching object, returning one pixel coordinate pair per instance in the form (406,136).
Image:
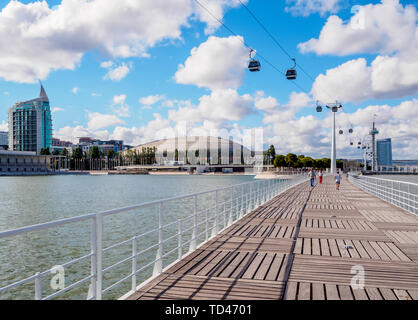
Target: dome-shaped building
(197,150)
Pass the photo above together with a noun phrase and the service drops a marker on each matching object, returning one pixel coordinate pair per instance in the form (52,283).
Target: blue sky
(71,60)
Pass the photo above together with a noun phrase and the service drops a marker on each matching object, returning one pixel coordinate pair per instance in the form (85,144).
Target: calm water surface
(31,200)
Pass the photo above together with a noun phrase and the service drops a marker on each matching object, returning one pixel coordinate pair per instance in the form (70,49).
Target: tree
(95,152)
(64,152)
(279,161)
(291,160)
(271,153)
(111,154)
(78,153)
(55,153)
(176,155)
(307,162)
(45,152)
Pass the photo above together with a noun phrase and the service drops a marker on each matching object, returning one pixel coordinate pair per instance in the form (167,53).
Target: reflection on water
(32,200)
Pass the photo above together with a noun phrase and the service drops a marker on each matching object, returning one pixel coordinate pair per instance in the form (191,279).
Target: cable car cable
(277,42)
(246,45)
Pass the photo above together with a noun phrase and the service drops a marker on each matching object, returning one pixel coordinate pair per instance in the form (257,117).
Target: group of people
(312,176)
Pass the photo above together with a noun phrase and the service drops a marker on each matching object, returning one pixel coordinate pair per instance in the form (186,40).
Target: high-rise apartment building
(384,152)
(30,124)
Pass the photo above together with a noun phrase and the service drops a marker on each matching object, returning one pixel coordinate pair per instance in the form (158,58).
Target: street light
(334,108)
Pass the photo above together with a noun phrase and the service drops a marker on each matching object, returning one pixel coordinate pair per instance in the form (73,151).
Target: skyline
(127,86)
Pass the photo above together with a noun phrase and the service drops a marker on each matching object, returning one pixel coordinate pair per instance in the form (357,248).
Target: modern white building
(201,150)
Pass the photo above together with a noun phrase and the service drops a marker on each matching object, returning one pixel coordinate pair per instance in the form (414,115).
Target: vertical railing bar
(38,287)
(93,266)
(180,239)
(99,261)
(134,253)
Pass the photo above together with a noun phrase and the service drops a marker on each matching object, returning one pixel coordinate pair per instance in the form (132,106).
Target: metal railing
(180,226)
(398,193)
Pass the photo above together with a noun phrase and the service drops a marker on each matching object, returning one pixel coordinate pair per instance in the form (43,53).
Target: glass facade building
(30,125)
(384,152)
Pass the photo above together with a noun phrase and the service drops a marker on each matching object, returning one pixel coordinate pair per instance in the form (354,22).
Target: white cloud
(72,134)
(220,105)
(387,29)
(6,93)
(218,63)
(106,64)
(384,28)
(119,99)
(119,106)
(98,121)
(150,100)
(386,77)
(307,7)
(75,90)
(64,33)
(217,8)
(268,104)
(56,109)
(134,135)
(117,73)
(94,94)
(4,126)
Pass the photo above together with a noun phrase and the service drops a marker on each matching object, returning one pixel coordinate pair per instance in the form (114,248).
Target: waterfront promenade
(305,244)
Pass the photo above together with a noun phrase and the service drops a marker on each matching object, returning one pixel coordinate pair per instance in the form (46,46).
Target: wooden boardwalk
(302,245)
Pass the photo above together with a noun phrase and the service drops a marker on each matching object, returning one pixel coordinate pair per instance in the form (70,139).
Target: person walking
(320,176)
(337,180)
(311,175)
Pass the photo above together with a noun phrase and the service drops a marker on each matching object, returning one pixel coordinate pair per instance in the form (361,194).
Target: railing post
(38,287)
(134,253)
(206,225)
(92,294)
(99,261)
(193,243)
(158,267)
(230,219)
(216,211)
(180,239)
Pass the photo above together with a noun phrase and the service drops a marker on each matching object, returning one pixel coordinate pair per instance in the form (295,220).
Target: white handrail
(389,191)
(228,207)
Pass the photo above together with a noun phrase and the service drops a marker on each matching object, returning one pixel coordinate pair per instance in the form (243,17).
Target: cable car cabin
(291,74)
(254,65)
(340,132)
(350,131)
(351,143)
(318,109)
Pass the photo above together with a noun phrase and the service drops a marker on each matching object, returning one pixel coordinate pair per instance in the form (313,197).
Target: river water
(31,200)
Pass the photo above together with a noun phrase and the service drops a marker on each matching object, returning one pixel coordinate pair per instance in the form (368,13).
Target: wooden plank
(304,292)
(316,250)
(360,294)
(318,292)
(402,294)
(373,294)
(331,292)
(291,290)
(325,247)
(387,294)
(345,293)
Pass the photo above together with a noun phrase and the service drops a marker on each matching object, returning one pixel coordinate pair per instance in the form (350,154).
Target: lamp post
(334,108)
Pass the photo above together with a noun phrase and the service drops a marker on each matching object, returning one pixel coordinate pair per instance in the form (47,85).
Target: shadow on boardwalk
(303,245)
